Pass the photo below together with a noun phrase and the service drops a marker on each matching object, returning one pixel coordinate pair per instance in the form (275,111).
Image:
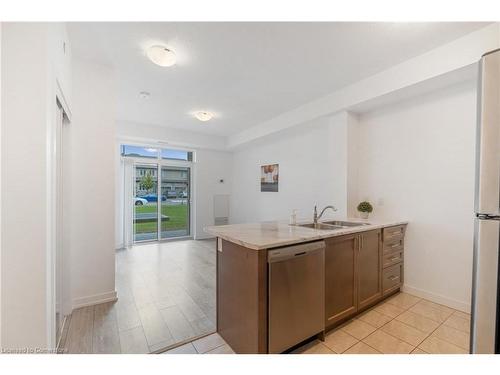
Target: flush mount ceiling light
(144,95)
(161,55)
(204,115)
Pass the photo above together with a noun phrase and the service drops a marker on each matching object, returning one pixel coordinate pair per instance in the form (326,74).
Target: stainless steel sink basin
(344,223)
(320,226)
(331,225)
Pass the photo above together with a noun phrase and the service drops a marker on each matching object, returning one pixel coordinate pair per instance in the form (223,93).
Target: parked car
(153,197)
(171,194)
(140,201)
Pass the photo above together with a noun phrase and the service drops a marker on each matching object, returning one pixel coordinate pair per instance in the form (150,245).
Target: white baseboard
(95,299)
(437,298)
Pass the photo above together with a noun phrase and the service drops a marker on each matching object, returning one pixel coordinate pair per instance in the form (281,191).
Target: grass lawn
(177,214)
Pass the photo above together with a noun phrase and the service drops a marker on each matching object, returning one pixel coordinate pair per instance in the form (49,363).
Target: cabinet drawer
(393,245)
(392,258)
(394,232)
(392,278)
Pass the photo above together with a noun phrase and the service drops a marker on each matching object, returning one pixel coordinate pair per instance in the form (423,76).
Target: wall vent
(221,209)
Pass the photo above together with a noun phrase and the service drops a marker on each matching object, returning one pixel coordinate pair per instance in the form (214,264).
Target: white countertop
(269,234)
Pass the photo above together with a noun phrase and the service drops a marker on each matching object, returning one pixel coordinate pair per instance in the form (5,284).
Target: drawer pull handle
(392,278)
(394,258)
(395,245)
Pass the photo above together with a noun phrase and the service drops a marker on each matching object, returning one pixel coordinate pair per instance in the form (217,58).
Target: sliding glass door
(165,215)
(145,202)
(158,185)
(175,209)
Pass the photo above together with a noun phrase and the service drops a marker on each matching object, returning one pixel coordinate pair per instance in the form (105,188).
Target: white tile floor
(402,324)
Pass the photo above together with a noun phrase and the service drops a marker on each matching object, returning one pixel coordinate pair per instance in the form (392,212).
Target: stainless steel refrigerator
(485,323)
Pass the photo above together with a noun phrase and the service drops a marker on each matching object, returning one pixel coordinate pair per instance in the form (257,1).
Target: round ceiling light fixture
(204,115)
(161,55)
(144,95)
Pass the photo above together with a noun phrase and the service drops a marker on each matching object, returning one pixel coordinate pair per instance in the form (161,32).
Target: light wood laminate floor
(166,295)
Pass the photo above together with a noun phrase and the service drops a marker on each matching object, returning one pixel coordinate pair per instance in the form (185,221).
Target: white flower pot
(364,215)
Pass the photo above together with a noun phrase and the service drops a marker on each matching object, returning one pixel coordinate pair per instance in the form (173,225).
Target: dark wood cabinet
(369,268)
(340,278)
(242,297)
(353,274)
(393,259)
(392,278)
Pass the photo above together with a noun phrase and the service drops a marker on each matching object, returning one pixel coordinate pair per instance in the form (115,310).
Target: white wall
(24,257)
(418,157)
(352,168)
(29,80)
(312,171)
(92,184)
(0,185)
(211,165)
(60,54)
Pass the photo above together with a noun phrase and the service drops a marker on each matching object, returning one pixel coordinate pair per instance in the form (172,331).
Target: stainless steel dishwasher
(296,294)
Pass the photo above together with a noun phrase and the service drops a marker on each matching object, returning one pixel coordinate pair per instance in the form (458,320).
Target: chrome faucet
(316,217)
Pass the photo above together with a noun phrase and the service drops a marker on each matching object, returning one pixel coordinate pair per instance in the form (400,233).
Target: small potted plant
(364,209)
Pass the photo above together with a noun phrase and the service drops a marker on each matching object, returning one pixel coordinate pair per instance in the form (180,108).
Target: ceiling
(246,73)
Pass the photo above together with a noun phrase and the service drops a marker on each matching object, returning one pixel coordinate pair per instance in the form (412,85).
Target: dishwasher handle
(289,252)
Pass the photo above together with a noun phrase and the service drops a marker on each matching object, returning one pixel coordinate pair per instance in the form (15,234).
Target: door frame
(57,240)
(159,163)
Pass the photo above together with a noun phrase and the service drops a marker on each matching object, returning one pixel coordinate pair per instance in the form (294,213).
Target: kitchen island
(360,265)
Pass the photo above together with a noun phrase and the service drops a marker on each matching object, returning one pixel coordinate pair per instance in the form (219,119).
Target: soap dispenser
(293,217)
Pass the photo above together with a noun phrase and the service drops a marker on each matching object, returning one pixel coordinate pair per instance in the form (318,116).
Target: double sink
(331,225)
